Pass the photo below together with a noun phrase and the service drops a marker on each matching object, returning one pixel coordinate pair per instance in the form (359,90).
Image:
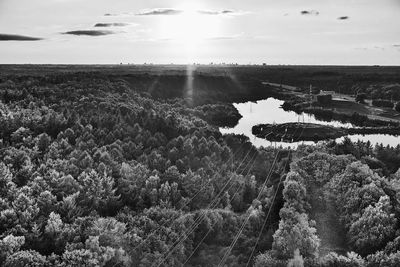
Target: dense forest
(97,172)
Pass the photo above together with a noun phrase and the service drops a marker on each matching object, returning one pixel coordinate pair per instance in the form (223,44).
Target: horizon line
(194,64)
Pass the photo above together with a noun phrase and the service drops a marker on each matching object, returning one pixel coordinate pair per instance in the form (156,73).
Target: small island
(296,131)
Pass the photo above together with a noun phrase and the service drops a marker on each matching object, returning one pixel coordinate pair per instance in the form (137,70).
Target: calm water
(270,111)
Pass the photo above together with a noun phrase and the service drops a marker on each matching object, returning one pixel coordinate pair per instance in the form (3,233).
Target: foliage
(356,189)
(295,232)
(107,170)
(350,260)
(382,259)
(25,258)
(268,259)
(374,228)
(78,151)
(320,167)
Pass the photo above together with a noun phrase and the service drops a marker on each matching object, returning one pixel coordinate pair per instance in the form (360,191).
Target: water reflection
(270,111)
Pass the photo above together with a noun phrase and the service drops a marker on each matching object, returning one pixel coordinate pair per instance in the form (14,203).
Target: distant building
(324,97)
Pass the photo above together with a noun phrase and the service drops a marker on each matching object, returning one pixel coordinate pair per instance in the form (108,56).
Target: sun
(191,28)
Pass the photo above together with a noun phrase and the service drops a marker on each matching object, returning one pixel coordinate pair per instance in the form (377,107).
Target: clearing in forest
(329,229)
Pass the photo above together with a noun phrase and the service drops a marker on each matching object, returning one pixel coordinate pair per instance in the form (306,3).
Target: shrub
(382,103)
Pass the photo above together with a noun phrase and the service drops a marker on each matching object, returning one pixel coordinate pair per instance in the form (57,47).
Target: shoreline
(297,131)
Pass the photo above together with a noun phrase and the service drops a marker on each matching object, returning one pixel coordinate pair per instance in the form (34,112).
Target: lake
(270,111)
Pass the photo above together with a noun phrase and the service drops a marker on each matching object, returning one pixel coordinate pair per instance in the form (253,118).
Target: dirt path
(329,230)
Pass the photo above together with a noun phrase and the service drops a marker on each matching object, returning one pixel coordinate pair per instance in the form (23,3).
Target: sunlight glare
(190,29)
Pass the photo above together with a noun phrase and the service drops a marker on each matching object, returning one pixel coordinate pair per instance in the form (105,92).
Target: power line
(272,204)
(266,218)
(196,223)
(192,228)
(209,231)
(193,197)
(248,217)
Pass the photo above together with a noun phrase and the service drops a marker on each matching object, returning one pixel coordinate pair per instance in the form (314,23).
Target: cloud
(160,11)
(111,24)
(175,11)
(343,18)
(89,32)
(15,37)
(124,14)
(213,12)
(310,12)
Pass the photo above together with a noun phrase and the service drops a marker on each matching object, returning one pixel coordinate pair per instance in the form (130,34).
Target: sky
(298,32)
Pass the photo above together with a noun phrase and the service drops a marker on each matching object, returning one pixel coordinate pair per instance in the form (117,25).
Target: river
(270,111)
